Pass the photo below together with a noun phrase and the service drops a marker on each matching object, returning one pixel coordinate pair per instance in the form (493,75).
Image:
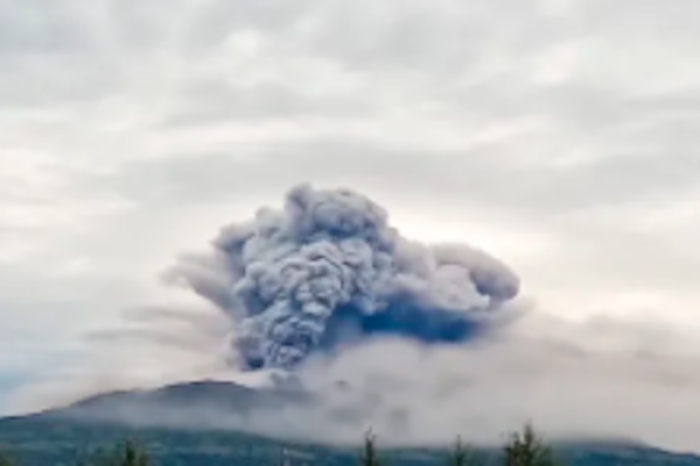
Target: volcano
(164,420)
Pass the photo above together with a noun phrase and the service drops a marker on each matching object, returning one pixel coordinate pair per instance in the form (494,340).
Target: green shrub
(5,460)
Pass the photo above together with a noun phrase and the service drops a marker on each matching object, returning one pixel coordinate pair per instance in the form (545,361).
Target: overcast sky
(559,135)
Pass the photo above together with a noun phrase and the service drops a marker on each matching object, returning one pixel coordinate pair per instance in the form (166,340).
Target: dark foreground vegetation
(524,448)
(41,442)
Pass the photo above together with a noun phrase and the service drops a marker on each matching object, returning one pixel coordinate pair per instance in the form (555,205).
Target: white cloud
(630,379)
(594,380)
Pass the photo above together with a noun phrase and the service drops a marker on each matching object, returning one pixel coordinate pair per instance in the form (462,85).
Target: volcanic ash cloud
(328,269)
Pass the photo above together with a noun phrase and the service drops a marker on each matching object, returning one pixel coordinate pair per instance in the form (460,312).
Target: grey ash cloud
(328,267)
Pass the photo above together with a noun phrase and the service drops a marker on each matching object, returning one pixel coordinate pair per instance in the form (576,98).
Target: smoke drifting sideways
(328,270)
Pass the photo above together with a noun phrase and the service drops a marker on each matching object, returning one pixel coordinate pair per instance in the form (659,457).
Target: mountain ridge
(53,435)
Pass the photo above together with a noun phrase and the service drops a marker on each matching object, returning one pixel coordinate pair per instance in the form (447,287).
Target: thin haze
(556,135)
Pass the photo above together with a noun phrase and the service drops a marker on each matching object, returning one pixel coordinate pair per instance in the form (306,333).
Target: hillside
(57,437)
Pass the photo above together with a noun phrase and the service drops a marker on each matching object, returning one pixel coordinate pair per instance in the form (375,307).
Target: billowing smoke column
(328,269)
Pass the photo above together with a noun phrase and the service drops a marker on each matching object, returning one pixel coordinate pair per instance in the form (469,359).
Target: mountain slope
(203,404)
(61,436)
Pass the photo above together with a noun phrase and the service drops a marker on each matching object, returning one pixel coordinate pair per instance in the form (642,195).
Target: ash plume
(328,269)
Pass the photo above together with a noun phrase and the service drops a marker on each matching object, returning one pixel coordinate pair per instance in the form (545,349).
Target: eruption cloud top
(328,269)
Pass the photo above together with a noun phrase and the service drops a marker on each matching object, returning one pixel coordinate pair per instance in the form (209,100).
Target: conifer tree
(526,448)
(127,454)
(369,451)
(462,455)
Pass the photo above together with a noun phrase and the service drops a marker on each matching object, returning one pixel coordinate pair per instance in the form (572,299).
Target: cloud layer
(558,135)
(603,379)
